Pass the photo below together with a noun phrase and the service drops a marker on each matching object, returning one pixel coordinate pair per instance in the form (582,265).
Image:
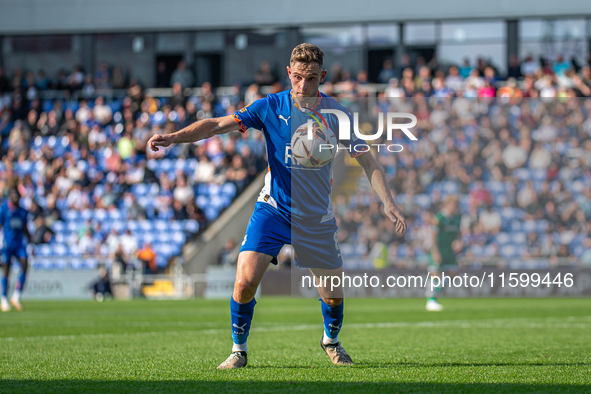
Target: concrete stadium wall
(67,16)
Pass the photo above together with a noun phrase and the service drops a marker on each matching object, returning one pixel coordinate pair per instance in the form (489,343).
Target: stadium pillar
(87,52)
(400,48)
(512,40)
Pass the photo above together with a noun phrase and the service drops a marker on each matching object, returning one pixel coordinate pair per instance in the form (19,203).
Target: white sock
(4,300)
(239,348)
(328,340)
(16,295)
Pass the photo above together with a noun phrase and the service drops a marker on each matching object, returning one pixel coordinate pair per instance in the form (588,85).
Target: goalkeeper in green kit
(446,227)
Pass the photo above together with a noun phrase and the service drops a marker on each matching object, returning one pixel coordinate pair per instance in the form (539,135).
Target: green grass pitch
(473,346)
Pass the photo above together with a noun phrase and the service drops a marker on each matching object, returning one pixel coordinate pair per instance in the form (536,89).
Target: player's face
(305,78)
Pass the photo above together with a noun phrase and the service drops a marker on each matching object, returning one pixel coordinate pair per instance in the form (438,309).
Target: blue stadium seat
(71,215)
(346,249)
(202,201)
(522,174)
(161,225)
(145,225)
(214,189)
(477,250)
(74,250)
(423,200)
(229,189)
(90,263)
(59,264)
(529,226)
(403,250)
(58,226)
(178,237)
(211,213)
(515,225)
(43,263)
(508,251)
(518,238)
(203,189)
(360,249)
(502,238)
(490,250)
(76,264)
(176,226)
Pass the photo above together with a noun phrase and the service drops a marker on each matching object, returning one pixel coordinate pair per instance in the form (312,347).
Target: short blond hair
(452,199)
(307,53)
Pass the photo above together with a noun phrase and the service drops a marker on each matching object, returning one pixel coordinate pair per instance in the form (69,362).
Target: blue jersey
(13,224)
(296,192)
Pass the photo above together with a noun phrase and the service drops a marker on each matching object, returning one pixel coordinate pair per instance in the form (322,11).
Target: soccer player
(278,211)
(13,220)
(446,227)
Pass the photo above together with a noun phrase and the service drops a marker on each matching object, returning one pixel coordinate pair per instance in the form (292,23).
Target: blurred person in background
(147,258)
(102,287)
(13,220)
(445,229)
(181,75)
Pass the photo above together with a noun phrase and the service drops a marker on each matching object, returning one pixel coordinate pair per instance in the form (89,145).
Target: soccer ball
(315,152)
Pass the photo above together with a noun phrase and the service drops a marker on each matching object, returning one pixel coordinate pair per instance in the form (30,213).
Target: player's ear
(288,70)
(323,75)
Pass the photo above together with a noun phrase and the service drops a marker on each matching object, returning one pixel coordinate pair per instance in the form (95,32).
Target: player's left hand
(395,215)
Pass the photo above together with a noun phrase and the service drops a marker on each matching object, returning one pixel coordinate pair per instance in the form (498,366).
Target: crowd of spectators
(84,163)
(521,166)
(518,161)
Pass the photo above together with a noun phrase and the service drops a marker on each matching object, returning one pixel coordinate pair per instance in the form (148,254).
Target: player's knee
(332,302)
(245,289)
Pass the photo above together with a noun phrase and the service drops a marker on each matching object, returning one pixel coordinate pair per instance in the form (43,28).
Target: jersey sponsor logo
(282,118)
(243,110)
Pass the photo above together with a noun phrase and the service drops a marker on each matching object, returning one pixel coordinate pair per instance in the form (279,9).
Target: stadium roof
(84,16)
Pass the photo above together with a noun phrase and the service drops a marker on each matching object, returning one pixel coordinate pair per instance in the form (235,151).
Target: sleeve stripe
(240,123)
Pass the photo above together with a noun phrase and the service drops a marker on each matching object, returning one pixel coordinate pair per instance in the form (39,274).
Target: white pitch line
(565,322)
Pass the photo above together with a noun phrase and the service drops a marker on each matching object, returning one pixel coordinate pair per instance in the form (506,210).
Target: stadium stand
(75,144)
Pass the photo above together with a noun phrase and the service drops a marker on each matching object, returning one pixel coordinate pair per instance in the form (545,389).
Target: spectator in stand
(162,80)
(88,244)
(514,69)
(490,221)
(237,174)
(102,287)
(228,257)
(264,76)
(465,69)
(387,72)
(102,113)
(43,234)
(147,257)
(183,192)
(182,76)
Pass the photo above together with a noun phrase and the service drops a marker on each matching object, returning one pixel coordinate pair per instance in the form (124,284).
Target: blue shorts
(20,252)
(314,246)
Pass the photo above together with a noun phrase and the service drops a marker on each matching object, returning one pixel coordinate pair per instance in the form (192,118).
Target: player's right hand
(159,140)
(396,216)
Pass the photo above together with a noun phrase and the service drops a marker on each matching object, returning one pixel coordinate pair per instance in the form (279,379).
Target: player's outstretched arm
(200,130)
(378,181)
